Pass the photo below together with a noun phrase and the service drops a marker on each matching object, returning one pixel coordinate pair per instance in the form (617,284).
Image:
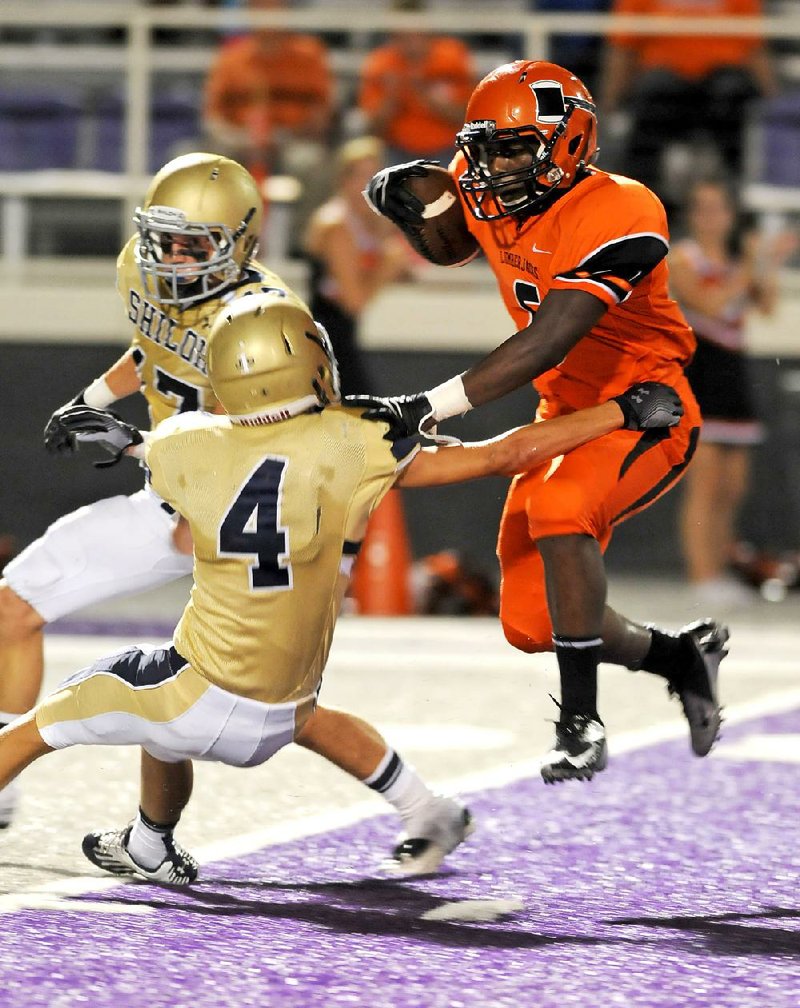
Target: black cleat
(579,751)
(697,687)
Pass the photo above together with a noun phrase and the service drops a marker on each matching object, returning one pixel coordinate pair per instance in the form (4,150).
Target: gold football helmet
(198,226)
(268,360)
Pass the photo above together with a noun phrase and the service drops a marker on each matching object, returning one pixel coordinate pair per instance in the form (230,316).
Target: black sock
(577,665)
(669,655)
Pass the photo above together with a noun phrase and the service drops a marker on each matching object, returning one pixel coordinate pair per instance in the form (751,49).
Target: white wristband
(98,395)
(449,399)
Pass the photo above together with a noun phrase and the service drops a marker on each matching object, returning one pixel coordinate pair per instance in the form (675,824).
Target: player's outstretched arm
(561,321)
(641,407)
(563,318)
(121,380)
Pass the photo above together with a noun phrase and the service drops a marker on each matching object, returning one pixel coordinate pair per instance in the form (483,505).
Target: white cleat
(443,825)
(109,851)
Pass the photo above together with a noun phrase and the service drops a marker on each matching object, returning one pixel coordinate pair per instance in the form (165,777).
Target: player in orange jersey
(579,257)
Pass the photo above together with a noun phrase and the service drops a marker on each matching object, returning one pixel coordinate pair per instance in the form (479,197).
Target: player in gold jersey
(191,255)
(277,494)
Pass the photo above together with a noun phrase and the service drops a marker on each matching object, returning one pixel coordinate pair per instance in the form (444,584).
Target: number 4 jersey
(170,346)
(277,513)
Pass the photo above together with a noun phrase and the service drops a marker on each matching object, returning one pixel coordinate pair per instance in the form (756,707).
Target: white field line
(50,894)
(365,643)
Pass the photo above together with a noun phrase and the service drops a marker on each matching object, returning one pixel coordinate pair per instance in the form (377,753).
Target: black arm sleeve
(621,264)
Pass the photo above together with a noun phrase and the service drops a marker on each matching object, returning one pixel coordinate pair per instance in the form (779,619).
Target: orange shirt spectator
(689,55)
(413,93)
(269,104)
(682,91)
(282,76)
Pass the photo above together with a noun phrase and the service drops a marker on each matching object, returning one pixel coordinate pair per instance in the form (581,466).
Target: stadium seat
(174,127)
(38,129)
(779,129)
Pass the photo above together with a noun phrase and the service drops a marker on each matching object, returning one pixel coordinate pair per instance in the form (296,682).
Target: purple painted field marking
(631,899)
(313,825)
(625,902)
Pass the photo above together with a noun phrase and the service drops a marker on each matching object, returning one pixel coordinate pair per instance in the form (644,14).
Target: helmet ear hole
(575,143)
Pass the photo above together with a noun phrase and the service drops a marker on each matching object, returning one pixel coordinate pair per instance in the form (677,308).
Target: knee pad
(559,509)
(536,638)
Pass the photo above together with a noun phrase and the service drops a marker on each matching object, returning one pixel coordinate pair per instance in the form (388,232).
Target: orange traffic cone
(380,585)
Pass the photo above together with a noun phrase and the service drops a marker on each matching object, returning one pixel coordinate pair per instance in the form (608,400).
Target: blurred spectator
(449,584)
(683,89)
(581,53)
(353,253)
(269,104)
(717,276)
(414,90)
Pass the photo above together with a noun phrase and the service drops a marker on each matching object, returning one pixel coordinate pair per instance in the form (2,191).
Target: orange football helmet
(540,122)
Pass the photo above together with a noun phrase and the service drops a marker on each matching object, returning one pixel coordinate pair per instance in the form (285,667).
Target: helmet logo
(477,129)
(244,362)
(166,216)
(549,97)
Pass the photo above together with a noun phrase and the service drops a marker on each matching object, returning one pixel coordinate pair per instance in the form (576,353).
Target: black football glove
(86,425)
(57,439)
(406,415)
(650,404)
(387,195)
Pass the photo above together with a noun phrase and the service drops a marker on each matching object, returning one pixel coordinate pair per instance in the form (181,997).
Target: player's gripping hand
(650,404)
(387,195)
(57,439)
(87,425)
(406,415)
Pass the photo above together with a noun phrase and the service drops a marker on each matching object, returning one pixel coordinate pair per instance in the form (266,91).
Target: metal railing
(137,59)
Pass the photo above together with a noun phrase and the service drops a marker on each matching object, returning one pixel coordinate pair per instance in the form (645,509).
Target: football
(443,237)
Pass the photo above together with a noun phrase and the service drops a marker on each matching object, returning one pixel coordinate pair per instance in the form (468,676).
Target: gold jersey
(276,513)
(170,345)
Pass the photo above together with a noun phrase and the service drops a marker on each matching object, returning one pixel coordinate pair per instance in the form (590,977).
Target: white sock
(400,784)
(146,843)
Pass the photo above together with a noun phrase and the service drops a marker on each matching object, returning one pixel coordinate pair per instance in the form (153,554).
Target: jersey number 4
(252,526)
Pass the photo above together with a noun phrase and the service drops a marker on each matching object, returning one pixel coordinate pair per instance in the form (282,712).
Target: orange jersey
(607,236)
(689,55)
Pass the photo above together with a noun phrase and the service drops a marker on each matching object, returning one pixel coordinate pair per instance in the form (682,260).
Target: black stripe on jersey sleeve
(621,264)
